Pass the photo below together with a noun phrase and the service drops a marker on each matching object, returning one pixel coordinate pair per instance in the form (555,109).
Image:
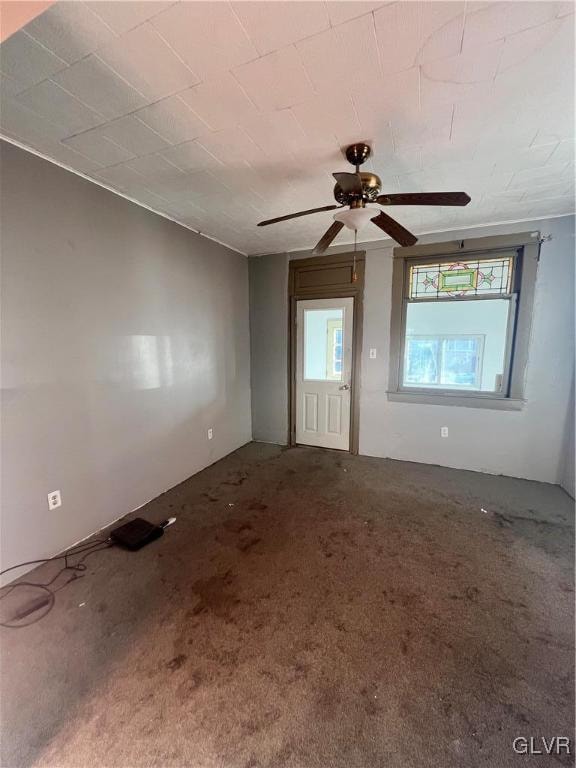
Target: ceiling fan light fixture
(355,218)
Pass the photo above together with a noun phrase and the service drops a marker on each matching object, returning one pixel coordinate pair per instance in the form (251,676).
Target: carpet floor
(309,609)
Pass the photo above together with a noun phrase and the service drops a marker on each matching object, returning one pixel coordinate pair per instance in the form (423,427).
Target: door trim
(344,287)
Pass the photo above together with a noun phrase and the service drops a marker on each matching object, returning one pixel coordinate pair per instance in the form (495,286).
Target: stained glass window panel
(472,277)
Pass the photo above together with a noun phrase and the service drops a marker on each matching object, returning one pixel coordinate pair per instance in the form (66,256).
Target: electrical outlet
(54,500)
(372,354)
(443,431)
(210,434)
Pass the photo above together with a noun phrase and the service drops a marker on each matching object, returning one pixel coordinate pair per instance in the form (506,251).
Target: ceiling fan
(355,190)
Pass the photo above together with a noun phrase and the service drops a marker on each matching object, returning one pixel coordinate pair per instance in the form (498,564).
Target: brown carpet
(309,609)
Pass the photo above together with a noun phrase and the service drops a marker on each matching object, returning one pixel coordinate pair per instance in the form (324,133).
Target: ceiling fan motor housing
(371,186)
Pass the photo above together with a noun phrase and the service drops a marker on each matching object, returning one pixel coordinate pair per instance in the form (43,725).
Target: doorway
(326,297)
(324,333)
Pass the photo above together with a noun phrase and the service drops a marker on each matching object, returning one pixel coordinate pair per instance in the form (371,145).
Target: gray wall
(269,347)
(567,479)
(124,337)
(530,443)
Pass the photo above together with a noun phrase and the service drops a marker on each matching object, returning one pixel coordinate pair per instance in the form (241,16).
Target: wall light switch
(443,431)
(210,434)
(54,500)
(373,354)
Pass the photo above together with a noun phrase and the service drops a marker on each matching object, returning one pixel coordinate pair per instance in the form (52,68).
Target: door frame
(327,277)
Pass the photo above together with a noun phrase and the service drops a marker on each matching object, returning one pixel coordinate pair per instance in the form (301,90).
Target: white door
(324,372)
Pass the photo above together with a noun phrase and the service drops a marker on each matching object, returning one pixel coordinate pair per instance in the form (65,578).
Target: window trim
(527,247)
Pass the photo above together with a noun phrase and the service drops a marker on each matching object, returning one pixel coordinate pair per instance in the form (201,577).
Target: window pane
(460,278)
(456,345)
(323,344)
(422,360)
(462,361)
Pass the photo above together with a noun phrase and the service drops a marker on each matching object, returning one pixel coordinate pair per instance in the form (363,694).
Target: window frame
(525,248)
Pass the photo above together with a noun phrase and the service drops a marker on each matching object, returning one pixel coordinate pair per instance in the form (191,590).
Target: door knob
(344,386)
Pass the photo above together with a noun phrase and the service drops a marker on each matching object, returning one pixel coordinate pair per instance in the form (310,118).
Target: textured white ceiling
(220,114)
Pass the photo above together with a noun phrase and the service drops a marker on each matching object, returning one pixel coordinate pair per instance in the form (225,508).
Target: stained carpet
(309,609)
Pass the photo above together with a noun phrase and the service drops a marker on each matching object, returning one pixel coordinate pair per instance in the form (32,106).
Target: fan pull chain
(354,275)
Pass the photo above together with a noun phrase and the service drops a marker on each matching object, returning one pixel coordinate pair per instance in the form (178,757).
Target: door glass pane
(323,337)
(456,345)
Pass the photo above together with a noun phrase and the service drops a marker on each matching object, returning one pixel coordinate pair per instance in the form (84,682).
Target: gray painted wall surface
(530,443)
(124,337)
(269,347)
(567,479)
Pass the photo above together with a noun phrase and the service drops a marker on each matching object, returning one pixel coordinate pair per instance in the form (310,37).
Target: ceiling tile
(274,25)
(323,116)
(534,157)
(220,102)
(95,84)
(564,153)
(158,174)
(442,28)
(411,33)
(525,45)
(98,148)
(548,175)
(277,134)
(121,16)
(220,42)
(26,61)
(25,125)
(9,86)
(70,158)
(495,119)
(423,128)
(197,185)
(389,164)
(232,146)
(546,192)
(120,177)
(54,103)
(446,81)
(502,19)
(186,210)
(70,30)
(173,120)
(392,97)
(190,156)
(132,134)
(150,199)
(345,10)
(145,61)
(533,80)
(468,68)
(153,166)
(551,207)
(328,56)
(275,81)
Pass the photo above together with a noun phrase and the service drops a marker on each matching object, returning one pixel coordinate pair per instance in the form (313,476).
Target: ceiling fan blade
(327,238)
(300,213)
(350,183)
(396,231)
(425,198)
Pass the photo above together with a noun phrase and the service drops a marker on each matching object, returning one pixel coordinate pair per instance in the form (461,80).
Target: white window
(444,361)
(457,325)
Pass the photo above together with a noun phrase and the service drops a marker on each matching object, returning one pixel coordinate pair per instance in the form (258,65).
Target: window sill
(462,401)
